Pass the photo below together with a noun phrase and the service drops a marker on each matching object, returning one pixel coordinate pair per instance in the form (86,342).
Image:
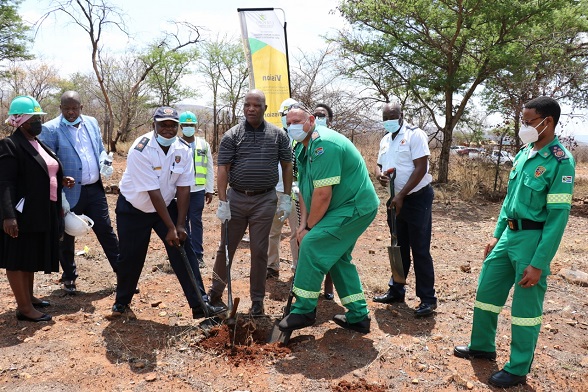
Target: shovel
(232,305)
(192,277)
(394,251)
(276,335)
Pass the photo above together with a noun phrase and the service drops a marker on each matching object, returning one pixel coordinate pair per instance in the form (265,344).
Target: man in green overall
(338,203)
(528,232)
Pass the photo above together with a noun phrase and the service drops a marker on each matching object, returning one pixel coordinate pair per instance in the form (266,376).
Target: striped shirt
(254,155)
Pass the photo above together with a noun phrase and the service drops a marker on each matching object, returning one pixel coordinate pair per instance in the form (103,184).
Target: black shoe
(466,352)
(216,300)
(329,296)
(295,321)
(42,304)
(212,311)
(119,310)
(362,326)
(22,317)
(389,297)
(504,379)
(256,308)
(69,286)
(271,273)
(424,310)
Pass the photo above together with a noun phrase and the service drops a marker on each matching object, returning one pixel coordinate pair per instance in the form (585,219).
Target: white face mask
(296,131)
(321,121)
(529,134)
(188,131)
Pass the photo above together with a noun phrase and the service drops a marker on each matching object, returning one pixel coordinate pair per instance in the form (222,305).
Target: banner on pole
(264,42)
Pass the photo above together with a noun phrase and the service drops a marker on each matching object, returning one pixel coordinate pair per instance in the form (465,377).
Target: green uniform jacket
(332,160)
(540,189)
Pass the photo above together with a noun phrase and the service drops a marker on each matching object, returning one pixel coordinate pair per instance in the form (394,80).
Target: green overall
(330,159)
(540,190)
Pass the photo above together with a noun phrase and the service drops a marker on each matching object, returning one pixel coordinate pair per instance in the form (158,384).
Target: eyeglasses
(528,122)
(320,115)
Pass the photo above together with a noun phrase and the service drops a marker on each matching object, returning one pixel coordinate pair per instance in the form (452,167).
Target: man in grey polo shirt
(248,160)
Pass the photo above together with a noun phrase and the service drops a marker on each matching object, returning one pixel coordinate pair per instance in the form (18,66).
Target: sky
(66,44)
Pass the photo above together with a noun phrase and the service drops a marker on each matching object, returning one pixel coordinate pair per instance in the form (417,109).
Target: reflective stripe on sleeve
(327,181)
(559,198)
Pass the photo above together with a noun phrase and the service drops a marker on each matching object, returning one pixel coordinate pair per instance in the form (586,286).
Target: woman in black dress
(31,179)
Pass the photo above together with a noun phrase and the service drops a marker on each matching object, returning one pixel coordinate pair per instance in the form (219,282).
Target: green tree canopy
(441,51)
(13,32)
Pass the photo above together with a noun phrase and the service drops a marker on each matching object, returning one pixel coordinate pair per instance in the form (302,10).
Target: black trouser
(93,204)
(413,227)
(134,231)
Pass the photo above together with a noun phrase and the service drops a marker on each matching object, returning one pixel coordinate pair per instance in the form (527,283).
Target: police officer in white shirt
(159,169)
(406,149)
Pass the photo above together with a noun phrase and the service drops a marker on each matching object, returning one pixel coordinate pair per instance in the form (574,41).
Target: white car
(502,157)
(455,150)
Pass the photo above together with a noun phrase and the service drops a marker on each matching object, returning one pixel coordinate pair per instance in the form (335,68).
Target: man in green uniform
(338,203)
(528,232)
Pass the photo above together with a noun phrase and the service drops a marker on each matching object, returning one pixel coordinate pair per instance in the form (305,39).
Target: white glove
(284,207)
(64,203)
(224,211)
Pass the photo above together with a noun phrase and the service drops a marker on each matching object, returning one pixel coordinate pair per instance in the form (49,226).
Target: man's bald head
(71,106)
(254,107)
(71,97)
(257,94)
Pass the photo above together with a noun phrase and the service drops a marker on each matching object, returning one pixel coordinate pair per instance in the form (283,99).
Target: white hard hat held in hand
(77,225)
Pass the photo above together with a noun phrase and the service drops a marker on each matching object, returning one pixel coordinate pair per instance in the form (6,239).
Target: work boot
(256,309)
(295,321)
(362,326)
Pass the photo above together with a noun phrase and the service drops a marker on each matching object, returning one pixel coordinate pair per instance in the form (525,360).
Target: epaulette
(183,141)
(558,153)
(142,143)
(411,127)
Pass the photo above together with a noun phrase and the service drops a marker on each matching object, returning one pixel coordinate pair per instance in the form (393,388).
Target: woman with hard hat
(31,179)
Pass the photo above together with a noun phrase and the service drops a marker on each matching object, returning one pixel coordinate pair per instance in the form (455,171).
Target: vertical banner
(264,42)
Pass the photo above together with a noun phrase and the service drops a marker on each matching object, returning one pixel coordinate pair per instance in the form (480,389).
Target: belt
(253,193)
(94,183)
(422,190)
(524,224)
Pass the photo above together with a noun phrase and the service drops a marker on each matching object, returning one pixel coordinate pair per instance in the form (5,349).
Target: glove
(224,211)
(64,204)
(284,207)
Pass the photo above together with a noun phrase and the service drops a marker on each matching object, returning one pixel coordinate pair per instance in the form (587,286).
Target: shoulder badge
(142,143)
(539,171)
(558,153)
(318,151)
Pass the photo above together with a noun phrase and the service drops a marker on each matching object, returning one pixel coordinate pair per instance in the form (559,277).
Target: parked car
(457,150)
(502,157)
(475,153)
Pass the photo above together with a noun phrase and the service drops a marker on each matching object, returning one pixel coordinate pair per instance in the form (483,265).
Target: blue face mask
(321,121)
(72,123)
(392,125)
(188,131)
(296,131)
(165,142)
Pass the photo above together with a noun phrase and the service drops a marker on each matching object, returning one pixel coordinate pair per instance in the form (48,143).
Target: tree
(36,79)
(165,80)
(443,50)
(317,78)
(554,65)
(93,16)
(13,33)
(222,64)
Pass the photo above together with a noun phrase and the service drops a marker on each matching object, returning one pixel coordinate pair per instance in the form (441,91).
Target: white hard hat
(285,106)
(77,225)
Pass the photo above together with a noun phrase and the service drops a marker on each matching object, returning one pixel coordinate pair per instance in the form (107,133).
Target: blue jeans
(194,222)
(413,226)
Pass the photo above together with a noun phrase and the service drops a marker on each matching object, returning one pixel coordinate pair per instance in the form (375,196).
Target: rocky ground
(163,349)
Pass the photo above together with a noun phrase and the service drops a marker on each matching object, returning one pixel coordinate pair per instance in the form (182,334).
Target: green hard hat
(188,118)
(24,104)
